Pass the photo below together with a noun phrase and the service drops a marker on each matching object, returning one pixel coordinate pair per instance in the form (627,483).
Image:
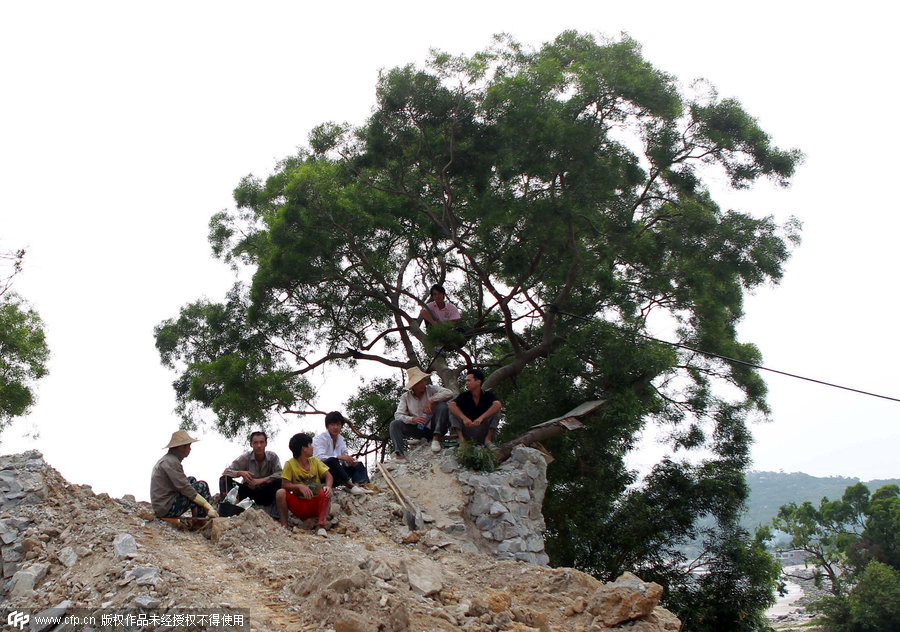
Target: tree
(854,543)
(559,193)
(875,601)
(23,346)
(824,533)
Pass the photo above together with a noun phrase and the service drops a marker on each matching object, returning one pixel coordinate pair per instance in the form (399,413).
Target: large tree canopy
(559,194)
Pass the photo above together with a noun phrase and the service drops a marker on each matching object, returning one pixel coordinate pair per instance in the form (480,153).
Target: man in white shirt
(330,448)
(421,412)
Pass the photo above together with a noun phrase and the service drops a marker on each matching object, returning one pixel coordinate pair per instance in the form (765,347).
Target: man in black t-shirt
(475,414)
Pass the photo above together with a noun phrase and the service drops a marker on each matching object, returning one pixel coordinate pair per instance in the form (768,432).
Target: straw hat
(179,437)
(414,376)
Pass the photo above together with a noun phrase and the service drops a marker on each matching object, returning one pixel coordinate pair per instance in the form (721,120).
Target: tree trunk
(569,421)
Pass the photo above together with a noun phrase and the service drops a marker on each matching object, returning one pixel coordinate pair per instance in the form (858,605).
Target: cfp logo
(17,619)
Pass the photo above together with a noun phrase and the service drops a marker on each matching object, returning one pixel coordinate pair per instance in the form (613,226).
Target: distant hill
(771,490)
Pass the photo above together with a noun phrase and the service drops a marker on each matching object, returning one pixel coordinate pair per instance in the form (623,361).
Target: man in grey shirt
(259,469)
(171,492)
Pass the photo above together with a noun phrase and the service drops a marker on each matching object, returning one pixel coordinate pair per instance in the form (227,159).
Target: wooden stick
(390,481)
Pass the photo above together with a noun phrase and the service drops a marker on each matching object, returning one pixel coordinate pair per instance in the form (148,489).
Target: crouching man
(421,412)
(475,413)
(330,448)
(171,492)
(259,469)
(306,484)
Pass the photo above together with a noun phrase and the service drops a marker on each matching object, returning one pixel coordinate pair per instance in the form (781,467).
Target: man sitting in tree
(439,309)
(306,485)
(475,413)
(421,412)
(259,469)
(330,448)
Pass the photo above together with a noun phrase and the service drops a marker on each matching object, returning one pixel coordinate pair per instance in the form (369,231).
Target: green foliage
(23,356)
(445,336)
(771,490)
(882,533)
(371,409)
(875,601)
(558,193)
(475,457)
(232,372)
(23,347)
(737,586)
(853,542)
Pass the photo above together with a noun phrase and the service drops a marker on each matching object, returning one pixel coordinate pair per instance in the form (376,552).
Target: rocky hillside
(65,547)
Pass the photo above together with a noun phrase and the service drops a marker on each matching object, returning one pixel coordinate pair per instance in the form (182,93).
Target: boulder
(425,577)
(625,599)
(349,621)
(144,575)
(59,610)
(124,545)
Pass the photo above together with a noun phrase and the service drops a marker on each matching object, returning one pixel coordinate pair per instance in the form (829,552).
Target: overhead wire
(555,309)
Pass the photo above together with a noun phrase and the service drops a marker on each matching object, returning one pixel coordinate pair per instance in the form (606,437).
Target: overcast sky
(125,126)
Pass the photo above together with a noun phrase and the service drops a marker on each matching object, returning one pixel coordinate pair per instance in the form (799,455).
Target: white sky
(125,126)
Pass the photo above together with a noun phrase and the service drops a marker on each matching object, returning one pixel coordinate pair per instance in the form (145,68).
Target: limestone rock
(67,556)
(12,553)
(398,620)
(347,584)
(22,584)
(144,575)
(498,601)
(9,530)
(381,571)
(626,599)
(146,601)
(664,620)
(434,537)
(425,577)
(24,580)
(59,610)
(124,545)
(349,621)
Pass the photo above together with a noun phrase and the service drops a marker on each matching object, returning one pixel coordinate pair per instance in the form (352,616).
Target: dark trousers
(400,430)
(344,473)
(261,494)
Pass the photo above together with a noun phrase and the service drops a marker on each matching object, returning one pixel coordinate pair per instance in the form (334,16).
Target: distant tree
(23,346)
(824,533)
(372,408)
(558,193)
(874,603)
(854,544)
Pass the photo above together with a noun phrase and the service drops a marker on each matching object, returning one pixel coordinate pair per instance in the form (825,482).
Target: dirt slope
(370,573)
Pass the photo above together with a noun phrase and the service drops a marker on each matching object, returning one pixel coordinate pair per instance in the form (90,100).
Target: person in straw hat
(171,492)
(421,413)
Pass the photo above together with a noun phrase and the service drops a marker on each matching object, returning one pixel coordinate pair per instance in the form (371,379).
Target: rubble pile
(65,547)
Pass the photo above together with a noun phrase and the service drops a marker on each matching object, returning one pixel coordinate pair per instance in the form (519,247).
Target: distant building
(790,558)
